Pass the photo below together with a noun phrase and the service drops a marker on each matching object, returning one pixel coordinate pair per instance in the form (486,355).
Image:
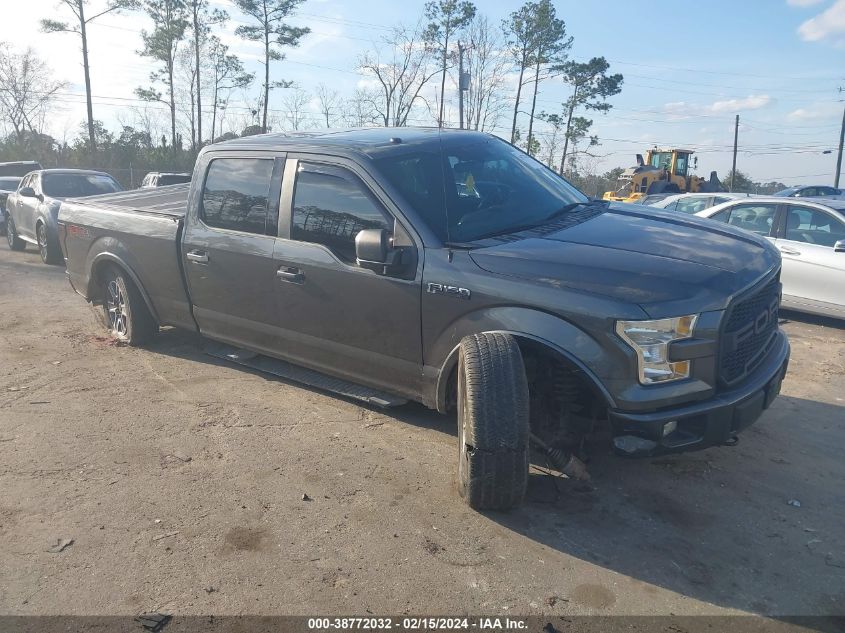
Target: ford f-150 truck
(449,268)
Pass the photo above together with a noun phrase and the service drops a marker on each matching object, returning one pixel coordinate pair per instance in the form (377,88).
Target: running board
(302,375)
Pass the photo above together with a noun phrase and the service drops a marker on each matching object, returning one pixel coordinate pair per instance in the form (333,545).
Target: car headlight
(650,340)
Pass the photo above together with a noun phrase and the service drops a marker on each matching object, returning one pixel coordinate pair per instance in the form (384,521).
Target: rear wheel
(125,314)
(45,248)
(12,239)
(493,426)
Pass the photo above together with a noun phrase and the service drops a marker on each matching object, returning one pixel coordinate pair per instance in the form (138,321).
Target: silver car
(810,236)
(692,203)
(32,210)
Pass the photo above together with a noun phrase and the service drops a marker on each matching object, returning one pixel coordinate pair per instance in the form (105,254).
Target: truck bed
(139,231)
(170,201)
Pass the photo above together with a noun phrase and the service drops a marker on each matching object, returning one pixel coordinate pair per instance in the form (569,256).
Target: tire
(49,251)
(124,312)
(12,239)
(493,428)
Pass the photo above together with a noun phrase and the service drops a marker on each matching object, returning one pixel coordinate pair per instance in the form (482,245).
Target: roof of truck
(367,140)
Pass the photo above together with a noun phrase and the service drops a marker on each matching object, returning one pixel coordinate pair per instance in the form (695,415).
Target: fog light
(670,427)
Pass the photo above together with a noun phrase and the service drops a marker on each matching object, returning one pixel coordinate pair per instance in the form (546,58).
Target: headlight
(650,340)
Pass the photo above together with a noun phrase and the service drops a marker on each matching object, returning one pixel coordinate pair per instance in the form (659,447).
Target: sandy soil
(180,479)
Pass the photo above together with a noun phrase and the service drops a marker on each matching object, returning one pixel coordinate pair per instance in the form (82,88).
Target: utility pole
(736,137)
(839,157)
(460,85)
(463,82)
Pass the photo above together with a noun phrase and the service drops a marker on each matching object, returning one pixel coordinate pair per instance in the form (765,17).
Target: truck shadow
(722,525)
(811,319)
(718,525)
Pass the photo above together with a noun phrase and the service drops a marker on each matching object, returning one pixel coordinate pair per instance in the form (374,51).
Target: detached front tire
(493,427)
(12,239)
(124,311)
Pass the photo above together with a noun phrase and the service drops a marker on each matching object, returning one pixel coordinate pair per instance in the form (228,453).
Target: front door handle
(198,257)
(788,251)
(291,274)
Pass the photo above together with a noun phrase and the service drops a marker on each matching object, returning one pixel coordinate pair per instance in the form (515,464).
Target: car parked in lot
(162,179)
(8,184)
(810,236)
(450,268)
(691,203)
(810,191)
(19,168)
(32,210)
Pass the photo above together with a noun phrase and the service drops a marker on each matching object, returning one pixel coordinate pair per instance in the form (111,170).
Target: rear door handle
(291,274)
(198,257)
(789,251)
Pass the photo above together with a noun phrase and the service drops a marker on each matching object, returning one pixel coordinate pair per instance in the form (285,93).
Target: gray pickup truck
(449,268)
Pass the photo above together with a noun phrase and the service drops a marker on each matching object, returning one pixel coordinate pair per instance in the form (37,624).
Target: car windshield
(77,185)
(9,184)
(474,189)
(786,192)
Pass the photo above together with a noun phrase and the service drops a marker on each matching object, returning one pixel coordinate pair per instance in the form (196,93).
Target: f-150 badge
(452,291)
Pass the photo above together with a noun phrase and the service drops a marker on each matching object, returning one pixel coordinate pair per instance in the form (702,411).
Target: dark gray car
(32,210)
(449,268)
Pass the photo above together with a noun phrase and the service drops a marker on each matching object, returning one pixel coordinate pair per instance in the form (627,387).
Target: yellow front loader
(662,171)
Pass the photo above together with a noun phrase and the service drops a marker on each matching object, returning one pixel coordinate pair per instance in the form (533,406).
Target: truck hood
(666,263)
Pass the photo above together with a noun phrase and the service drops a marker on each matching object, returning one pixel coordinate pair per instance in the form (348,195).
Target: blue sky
(689,68)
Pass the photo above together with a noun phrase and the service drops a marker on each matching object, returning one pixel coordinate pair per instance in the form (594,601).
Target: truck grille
(749,332)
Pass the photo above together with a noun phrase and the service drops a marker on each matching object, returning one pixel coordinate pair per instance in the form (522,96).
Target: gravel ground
(180,479)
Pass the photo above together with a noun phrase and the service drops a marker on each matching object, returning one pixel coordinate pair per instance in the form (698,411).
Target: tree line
(411,77)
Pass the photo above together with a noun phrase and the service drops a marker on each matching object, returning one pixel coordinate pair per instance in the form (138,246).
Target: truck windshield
(77,185)
(472,190)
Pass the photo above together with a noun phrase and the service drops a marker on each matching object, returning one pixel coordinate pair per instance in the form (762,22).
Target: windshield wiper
(524,227)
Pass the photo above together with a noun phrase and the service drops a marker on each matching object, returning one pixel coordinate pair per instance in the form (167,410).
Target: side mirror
(27,192)
(373,250)
(839,247)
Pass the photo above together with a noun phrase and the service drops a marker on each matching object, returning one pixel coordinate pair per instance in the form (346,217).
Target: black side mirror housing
(839,247)
(27,192)
(373,250)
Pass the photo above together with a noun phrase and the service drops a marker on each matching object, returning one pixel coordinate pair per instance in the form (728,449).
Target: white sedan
(810,236)
(694,202)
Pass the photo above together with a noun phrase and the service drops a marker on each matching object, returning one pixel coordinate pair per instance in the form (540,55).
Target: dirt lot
(180,480)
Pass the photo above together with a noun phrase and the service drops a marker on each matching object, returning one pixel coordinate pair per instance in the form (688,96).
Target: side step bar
(302,375)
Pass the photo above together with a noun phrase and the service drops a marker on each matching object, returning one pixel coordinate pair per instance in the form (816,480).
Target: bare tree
(358,110)
(295,104)
(488,68)
(401,69)
(79,25)
(26,91)
(329,103)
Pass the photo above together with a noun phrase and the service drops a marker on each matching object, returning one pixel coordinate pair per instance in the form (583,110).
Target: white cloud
(829,24)
(803,3)
(816,112)
(752,102)
(681,109)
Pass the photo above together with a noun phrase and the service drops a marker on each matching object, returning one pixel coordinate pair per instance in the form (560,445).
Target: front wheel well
(535,354)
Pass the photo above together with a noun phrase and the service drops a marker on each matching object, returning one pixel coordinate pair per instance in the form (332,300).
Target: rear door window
(813,226)
(236,195)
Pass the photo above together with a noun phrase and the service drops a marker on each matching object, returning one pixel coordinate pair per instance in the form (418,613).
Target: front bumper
(710,422)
